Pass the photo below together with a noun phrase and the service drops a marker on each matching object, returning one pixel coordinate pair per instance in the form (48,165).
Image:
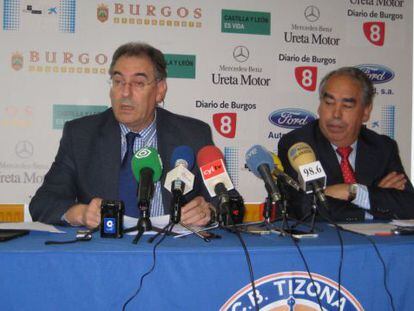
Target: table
(191,274)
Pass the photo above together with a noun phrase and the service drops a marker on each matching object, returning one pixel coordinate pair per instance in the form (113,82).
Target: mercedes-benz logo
(24,149)
(312,13)
(241,53)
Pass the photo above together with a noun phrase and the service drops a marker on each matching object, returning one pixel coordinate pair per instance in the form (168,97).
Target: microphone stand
(283,204)
(177,202)
(270,205)
(145,194)
(223,208)
(144,222)
(311,214)
(144,201)
(177,189)
(267,210)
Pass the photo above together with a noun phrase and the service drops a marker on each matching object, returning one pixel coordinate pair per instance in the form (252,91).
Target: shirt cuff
(362,197)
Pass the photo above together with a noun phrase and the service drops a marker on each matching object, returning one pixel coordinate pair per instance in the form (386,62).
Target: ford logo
(291,118)
(377,73)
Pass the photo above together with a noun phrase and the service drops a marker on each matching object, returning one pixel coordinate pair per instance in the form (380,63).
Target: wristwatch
(352,190)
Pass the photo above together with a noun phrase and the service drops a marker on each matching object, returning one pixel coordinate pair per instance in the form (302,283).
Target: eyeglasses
(137,85)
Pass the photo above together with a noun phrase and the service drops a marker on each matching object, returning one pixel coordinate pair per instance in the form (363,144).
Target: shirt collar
(353,146)
(146,132)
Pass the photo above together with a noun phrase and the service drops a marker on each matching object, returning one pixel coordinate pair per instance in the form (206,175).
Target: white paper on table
(32,226)
(368,228)
(403,222)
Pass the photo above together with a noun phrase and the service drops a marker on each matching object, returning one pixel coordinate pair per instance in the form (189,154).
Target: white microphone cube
(213,173)
(311,173)
(180,173)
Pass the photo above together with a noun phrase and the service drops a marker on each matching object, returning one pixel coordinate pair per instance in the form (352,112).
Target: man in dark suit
(365,176)
(87,167)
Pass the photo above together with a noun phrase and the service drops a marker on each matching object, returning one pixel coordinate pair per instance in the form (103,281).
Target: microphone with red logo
(215,177)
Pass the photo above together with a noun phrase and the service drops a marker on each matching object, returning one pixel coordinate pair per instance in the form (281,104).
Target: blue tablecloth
(191,274)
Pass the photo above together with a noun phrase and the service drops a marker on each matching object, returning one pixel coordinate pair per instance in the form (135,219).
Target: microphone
(215,177)
(180,180)
(278,172)
(260,162)
(312,177)
(147,168)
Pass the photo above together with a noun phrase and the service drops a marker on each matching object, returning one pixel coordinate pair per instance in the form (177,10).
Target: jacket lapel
(165,146)
(365,162)
(109,154)
(328,158)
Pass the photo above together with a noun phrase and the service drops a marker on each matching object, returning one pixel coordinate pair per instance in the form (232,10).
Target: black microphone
(278,172)
(179,180)
(147,168)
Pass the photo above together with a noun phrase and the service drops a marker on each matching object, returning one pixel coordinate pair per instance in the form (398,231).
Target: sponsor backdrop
(248,68)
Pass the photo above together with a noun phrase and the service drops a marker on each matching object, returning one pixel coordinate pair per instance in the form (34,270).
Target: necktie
(346,168)
(127,182)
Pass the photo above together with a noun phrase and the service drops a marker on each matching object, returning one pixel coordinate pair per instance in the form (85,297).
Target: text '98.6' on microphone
(312,177)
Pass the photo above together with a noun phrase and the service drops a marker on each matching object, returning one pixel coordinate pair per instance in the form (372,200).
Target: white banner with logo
(248,68)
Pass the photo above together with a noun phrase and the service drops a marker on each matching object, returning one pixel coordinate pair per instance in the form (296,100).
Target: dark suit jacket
(377,155)
(89,157)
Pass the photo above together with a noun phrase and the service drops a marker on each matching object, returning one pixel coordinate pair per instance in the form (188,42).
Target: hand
(196,212)
(338,191)
(88,215)
(393,180)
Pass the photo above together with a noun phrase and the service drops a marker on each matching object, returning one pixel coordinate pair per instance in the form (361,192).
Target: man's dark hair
(140,49)
(355,74)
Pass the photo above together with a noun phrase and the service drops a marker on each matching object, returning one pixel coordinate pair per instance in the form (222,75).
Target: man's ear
(367,113)
(161,90)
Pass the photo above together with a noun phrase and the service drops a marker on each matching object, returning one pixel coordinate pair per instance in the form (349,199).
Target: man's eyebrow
(137,74)
(326,94)
(117,73)
(348,100)
(343,100)
(140,74)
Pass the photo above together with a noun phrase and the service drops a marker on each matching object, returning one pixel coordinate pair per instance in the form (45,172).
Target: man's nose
(126,89)
(337,111)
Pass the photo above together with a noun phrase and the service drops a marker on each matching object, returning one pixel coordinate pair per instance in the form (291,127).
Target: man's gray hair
(140,49)
(355,74)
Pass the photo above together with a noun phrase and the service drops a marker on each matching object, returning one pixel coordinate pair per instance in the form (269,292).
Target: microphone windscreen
(208,154)
(300,154)
(183,152)
(256,156)
(277,162)
(147,157)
